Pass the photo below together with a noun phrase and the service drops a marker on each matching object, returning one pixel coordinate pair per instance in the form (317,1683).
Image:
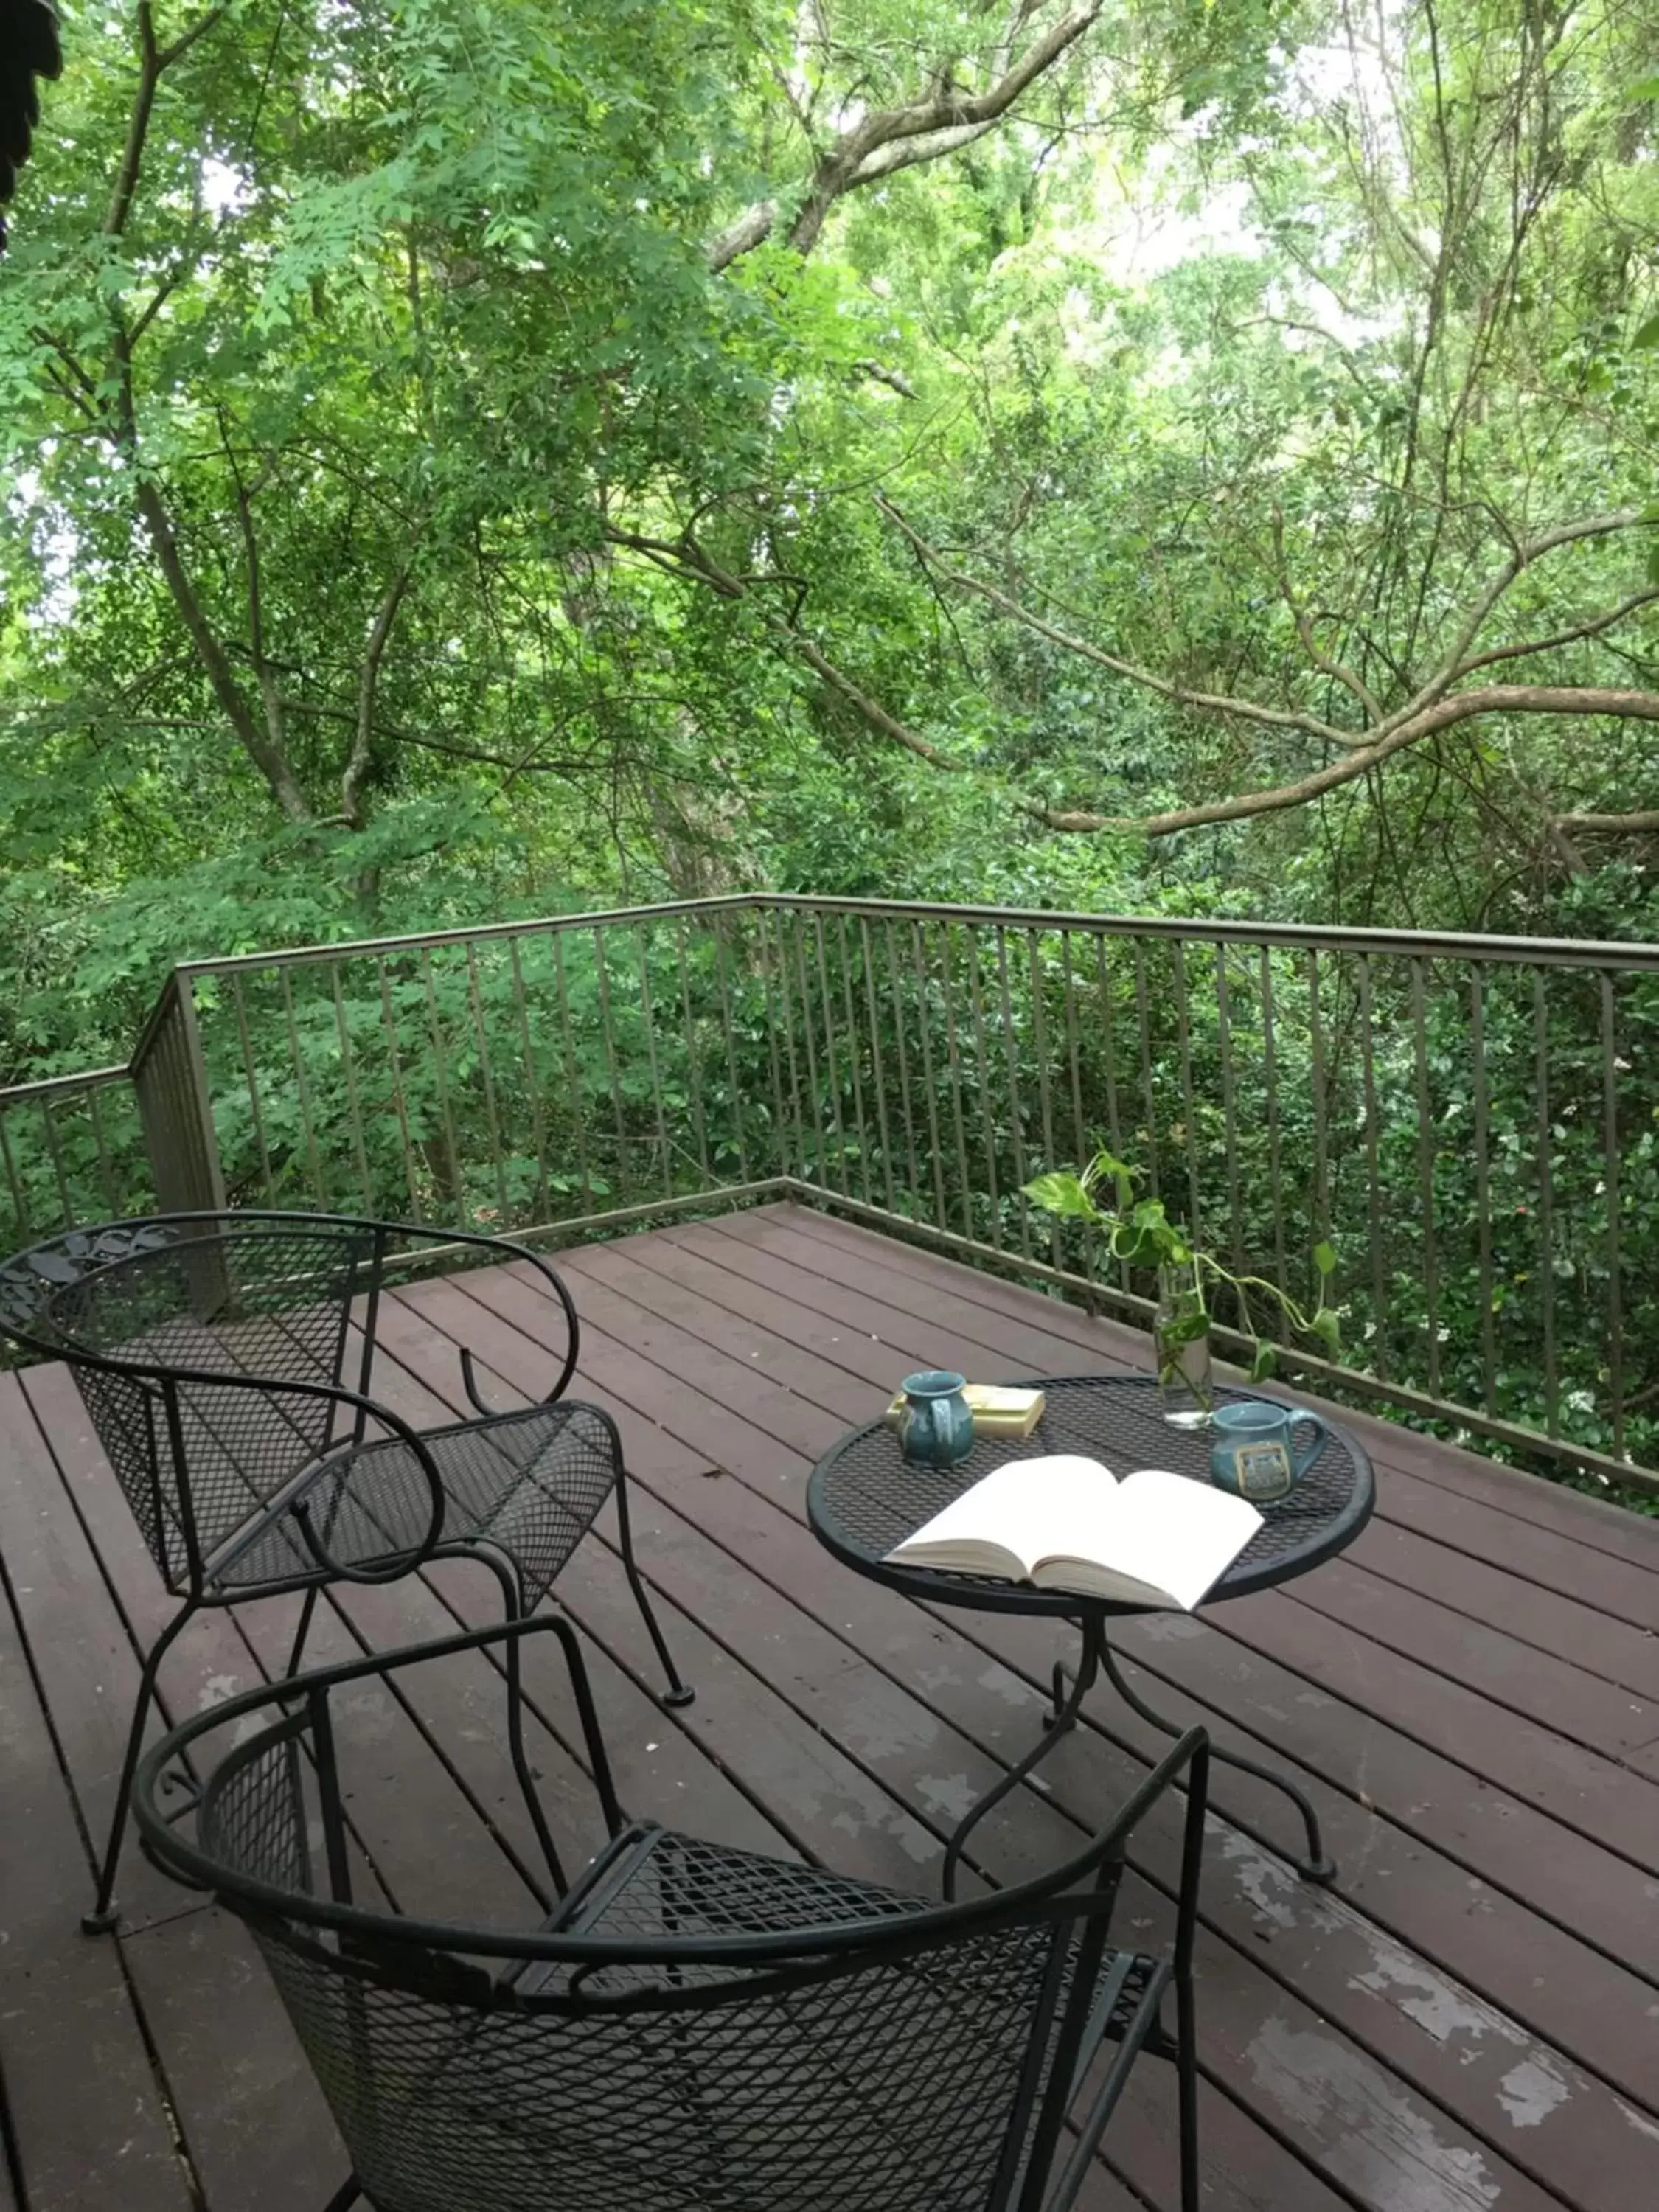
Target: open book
(1063,1523)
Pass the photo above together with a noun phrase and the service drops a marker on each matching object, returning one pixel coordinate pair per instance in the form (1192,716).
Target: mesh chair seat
(529,1483)
(654,1883)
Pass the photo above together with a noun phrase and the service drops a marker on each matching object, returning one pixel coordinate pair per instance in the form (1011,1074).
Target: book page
(1026,1507)
(1176,1534)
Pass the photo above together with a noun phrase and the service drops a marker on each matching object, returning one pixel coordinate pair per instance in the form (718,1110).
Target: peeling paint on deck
(1374,2139)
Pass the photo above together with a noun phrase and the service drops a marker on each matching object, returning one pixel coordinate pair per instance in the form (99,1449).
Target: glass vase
(1181,1341)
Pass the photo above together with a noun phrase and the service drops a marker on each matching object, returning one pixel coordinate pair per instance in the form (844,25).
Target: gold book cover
(998,1409)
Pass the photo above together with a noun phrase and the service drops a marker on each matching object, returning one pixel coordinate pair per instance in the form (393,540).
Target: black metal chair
(211,1349)
(694,2028)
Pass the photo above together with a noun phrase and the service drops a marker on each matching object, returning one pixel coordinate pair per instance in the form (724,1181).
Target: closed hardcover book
(999,1409)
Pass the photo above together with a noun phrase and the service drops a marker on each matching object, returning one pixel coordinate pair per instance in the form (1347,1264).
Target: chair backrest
(875,2057)
(148,1313)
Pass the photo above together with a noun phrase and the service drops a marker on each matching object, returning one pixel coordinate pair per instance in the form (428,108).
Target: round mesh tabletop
(865,1497)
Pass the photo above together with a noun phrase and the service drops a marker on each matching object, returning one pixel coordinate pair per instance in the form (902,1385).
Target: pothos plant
(1140,1233)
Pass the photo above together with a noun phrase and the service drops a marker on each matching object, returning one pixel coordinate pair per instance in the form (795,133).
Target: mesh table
(865,1497)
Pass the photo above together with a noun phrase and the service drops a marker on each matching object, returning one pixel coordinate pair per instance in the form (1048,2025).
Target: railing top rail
(12,1094)
(1546,951)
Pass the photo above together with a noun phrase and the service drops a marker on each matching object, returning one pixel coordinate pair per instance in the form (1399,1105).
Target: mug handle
(1304,1417)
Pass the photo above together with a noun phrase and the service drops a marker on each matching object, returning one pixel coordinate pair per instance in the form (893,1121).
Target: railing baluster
(736,1093)
(1188,1115)
(1016,1106)
(1320,1208)
(855,1058)
(1380,1361)
(492,1121)
(988,1119)
(878,1074)
(1482,1185)
(829,1061)
(302,1083)
(624,1179)
(791,1155)
(1426,1150)
(1610,1178)
(900,1025)
(54,1149)
(1109,1031)
(693,1059)
(1036,991)
(248,1070)
(1270,1080)
(813,1092)
(105,1166)
(532,1084)
(1148,1091)
(440,1069)
(20,1204)
(578,1104)
(348,1067)
(647,1018)
(1545,1209)
(389,1021)
(952,1062)
(1228,1117)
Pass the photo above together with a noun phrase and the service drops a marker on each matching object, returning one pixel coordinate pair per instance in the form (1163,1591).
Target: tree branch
(1592,627)
(271,762)
(1224,702)
(1614,825)
(893,139)
(363,744)
(1321,660)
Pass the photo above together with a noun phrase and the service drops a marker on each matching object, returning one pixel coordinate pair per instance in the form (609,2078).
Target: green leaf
(1324,1258)
(1646,336)
(1062,1193)
(1263,1363)
(1645,88)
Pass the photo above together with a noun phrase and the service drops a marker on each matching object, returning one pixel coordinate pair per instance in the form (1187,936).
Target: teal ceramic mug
(937,1423)
(1253,1448)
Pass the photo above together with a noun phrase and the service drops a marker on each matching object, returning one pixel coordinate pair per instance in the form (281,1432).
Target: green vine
(1140,1233)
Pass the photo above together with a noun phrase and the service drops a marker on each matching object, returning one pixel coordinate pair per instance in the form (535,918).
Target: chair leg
(349,2192)
(106,1912)
(512,1605)
(304,1629)
(1187,2088)
(677,1693)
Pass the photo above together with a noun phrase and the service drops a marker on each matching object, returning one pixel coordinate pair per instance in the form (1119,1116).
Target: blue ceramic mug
(1253,1448)
(937,1423)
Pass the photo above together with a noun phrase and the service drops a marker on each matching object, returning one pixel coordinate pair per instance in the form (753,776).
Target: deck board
(1471,1695)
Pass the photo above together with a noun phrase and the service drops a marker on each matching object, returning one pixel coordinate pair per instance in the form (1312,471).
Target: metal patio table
(865,1497)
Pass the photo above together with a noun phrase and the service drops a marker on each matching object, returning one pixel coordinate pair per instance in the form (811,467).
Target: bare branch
(1321,660)
(1592,626)
(1566,534)
(1225,702)
(893,139)
(363,744)
(1615,825)
(271,763)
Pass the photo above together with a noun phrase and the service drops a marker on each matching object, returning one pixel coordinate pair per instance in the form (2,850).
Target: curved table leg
(1315,1866)
(1054,1724)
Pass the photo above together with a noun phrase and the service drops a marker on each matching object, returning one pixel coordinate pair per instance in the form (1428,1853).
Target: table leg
(1055,1725)
(1315,1866)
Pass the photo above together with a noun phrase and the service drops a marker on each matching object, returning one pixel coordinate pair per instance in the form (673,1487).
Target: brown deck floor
(1469,2023)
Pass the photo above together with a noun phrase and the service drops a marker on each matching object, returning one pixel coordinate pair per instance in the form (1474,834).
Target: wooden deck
(1469,2023)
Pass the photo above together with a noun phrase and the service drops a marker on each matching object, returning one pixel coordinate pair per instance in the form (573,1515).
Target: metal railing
(71,1149)
(1471,1121)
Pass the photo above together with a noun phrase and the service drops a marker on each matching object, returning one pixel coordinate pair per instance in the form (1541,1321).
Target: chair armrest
(1190,1754)
(508,1246)
(168,1380)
